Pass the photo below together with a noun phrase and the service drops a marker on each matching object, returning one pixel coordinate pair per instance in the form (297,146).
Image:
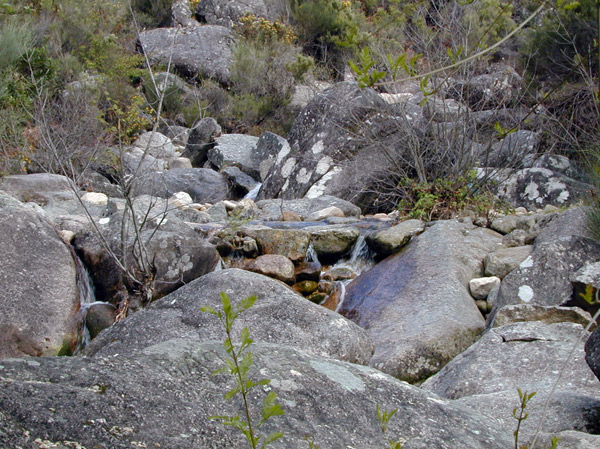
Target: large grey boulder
(538,187)
(592,352)
(512,151)
(267,148)
(235,150)
(571,222)
(155,144)
(528,356)
(500,87)
(333,242)
(279,316)
(504,260)
(322,136)
(305,207)
(172,253)
(203,184)
(201,139)
(416,304)
(292,243)
(228,12)
(164,395)
(38,285)
(181,14)
(204,51)
(543,278)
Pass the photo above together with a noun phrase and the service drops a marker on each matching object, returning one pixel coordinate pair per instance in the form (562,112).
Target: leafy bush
(445,198)
(327,30)
(562,47)
(153,13)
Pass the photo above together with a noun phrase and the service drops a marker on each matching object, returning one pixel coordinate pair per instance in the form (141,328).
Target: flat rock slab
(416,304)
(279,316)
(164,394)
(528,356)
(204,51)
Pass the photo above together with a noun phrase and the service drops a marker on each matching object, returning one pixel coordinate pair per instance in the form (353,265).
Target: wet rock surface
(416,304)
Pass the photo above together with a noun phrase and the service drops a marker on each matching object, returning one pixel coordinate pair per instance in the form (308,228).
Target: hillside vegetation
(73,83)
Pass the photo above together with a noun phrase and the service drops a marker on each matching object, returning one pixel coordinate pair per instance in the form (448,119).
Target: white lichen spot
(303,176)
(525,293)
(318,189)
(340,323)
(288,167)
(293,372)
(323,165)
(104,221)
(318,147)
(555,184)
(339,374)
(532,192)
(285,150)
(527,263)
(563,196)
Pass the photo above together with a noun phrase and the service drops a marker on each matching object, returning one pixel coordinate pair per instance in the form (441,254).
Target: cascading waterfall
(360,260)
(311,254)
(86,299)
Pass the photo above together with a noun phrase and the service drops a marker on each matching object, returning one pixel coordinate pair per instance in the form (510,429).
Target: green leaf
(209,309)
(246,303)
(232,393)
(270,438)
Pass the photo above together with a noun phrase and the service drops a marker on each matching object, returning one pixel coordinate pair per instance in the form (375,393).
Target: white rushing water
(86,299)
(252,194)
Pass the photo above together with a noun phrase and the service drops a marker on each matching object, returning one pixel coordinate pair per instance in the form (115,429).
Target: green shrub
(445,198)
(327,30)
(238,365)
(562,46)
(153,13)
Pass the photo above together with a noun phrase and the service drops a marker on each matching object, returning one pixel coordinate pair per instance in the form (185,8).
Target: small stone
(66,236)
(481,287)
(180,162)
(483,306)
(305,287)
(287,215)
(338,274)
(317,297)
(99,199)
(249,247)
(328,212)
(230,205)
(181,200)
(520,211)
(308,271)
(99,317)
(273,265)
